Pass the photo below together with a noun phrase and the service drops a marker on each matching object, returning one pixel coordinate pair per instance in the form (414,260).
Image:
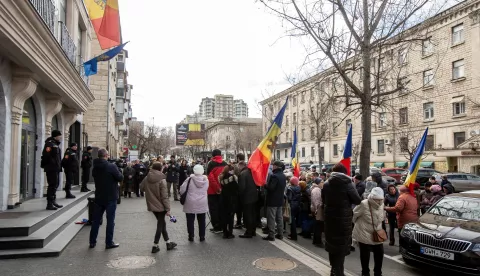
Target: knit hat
(198,170)
(358,177)
(376,193)
(89,148)
(294,181)
(216,152)
(317,180)
(73,144)
(56,133)
(278,163)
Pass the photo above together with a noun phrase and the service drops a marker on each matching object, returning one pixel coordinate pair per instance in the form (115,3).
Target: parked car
(304,167)
(395,173)
(461,181)
(447,236)
(316,166)
(327,167)
(423,175)
(388,179)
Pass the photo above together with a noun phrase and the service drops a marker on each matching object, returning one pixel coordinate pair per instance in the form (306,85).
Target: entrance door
(27,176)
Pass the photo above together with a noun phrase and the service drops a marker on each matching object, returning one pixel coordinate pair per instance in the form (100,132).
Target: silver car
(461,181)
(388,179)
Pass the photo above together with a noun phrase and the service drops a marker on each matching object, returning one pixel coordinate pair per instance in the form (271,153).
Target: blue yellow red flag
(415,164)
(91,65)
(347,152)
(294,155)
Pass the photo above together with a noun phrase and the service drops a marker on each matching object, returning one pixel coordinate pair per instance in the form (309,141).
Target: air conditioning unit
(475,133)
(387,142)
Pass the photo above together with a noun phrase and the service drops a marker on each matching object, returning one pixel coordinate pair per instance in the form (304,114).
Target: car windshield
(458,207)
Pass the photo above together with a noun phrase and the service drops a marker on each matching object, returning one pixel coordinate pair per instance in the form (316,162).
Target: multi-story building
(42,86)
(439,78)
(123,109)
(192,119)
(207,108)
(240,109)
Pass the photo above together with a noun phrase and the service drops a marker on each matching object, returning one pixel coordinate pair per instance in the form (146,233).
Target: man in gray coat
(249,196)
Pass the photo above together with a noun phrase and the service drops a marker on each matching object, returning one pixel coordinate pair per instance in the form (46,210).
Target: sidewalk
(134,230)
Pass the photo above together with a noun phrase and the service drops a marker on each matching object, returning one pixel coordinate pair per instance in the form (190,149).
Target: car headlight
(408,231)
(476,248)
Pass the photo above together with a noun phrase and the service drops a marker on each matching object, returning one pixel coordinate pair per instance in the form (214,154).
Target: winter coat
(425,197)
(197,196)
(86,160)
(436,197)
(183,172)
(338,195)
(70,161)
(391,201)
(51,156)
(276,188)
(156,193)
(229,193)
(172,172)
(294,196)
(247,188)
(214,169)
(363,229)
(128,182)
(406,209)
(360,187)
(316,205)
(106,176)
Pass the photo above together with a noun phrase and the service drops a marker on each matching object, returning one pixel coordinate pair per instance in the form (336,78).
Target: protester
(306,219)
(156,195)
(359,184)
(140,173)
(239,208)
(445,180)
(214,169)
(294,195)
(437,194)
(172,177)
(128,180)
(432,180)
(406,208)
(317,210)
(106,176)
(390,201)
(183,172)
(249,197)
(377,177)
(196,202)
(338,195)
(229,182)
(275,197)
(368,217)
(425,197)
(448,188)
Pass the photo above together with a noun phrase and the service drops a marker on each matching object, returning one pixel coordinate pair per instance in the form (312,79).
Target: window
(428,111)
(120,92)
(457,34)
(381,146)
(294,101)
(303,116)
(403,115)
(287,135)
(286,120)
(312,133)
(278,155)
(312,151)
(458,106)
(382,119)
(334,128)
(403,144)
(428,78)
(228,138)
(348,122)
(303,97)
(312,94)
(458,69)
(322,153)
(430,143)
(303,134)
(458,138)
(335,150)
(294,118)
(427,47)
(303,152)
(286,153)
(473,177)
(402,56)
(402,84)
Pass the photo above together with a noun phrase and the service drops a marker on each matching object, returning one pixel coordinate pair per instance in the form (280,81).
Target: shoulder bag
(183,197)
(378,235)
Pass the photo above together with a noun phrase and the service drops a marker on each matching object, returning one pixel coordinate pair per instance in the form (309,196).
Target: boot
(50,206)
(171,246)
(69,195)
(54,203)
(84,189)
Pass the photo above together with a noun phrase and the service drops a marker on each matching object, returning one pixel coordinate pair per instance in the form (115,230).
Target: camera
(118,162)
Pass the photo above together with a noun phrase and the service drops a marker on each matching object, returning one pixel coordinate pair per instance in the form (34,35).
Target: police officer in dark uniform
(141,172)
(86,165)
(70,164)
(51,164)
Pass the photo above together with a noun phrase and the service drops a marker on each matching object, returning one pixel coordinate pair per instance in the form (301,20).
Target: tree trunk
(366,146)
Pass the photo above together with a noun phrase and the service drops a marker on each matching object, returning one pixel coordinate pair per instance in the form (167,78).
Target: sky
(183,51)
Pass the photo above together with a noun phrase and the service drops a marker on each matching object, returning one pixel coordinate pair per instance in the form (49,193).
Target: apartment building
(439,78)
(207,108)
(240,109)
(223,106)
(43,87)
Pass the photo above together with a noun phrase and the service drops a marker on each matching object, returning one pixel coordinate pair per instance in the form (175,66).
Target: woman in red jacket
(406,208)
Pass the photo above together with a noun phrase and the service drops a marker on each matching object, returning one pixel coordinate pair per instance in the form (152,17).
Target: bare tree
(144,140)
(408,140)
(356,150)
(359,40)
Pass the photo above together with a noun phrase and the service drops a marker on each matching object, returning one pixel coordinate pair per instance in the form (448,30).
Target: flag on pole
(415,164)
(262,156)
(91,65)
(294,155)
(100,12)
(347,152)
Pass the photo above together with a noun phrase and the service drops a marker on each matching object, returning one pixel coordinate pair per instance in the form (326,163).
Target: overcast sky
(182,51)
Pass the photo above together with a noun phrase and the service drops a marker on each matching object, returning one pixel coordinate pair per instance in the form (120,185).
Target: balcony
(120,66)
(67,43)
(46,10)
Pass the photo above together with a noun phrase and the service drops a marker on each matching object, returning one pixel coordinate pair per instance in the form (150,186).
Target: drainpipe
(108,107)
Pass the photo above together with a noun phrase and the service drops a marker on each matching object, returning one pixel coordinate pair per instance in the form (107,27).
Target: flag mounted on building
(91,65)
(415,164)
(105,19)
(347,152)
(294,155)
(262,156)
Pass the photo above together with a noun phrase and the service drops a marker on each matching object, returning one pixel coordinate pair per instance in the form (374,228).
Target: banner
(190,134)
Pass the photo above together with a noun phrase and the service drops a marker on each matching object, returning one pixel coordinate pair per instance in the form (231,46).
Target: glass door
(27,176)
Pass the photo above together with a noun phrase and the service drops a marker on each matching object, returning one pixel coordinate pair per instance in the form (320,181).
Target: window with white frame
(458,34)
(335,150)
(403,112)
(382,119)
(381,146)
(334,128)
(303,152)
(312,151)
(402,56)
(312,133)
(294,118)
(428,111)
(286,120)
(428,77)
(287,135)
(427,47)
(458,69)
(303,97)
(303,134)
(458,106)
(286,153)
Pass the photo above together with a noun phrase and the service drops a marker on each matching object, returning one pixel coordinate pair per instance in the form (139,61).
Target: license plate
(437,253)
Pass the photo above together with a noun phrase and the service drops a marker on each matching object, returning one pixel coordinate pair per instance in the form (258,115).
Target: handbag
(378,235)
(286,211)
(183,197)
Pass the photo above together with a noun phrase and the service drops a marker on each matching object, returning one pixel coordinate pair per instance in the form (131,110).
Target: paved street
(135,229)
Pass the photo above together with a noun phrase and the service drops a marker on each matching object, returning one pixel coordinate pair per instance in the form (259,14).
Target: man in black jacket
(249,197)
(172,177)
(70,164)
(86,166)
(51,164)
(359,184)
(275,199)
(106,176)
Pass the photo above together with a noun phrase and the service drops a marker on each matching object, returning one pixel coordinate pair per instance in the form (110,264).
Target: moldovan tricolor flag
(294,155)
(347,152)
(262,156)
(106,21)
(415,164)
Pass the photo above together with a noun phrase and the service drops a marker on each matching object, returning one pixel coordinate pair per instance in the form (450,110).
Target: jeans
(392,223)
(336,262)
(249,218)
(317,232)
(191,225)
(294,215)
(85,177)
(101,207)
(53,182)
(68,181)
(275,215)
(175,189)
(377,258)
(214,209)
(161,227)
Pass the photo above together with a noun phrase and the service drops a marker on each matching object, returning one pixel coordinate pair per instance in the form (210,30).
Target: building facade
(43,87)
(207,108)
(441,91)
(240,109)
(223,106)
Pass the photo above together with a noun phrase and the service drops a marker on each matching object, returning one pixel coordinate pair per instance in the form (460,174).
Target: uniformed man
(70,164)
(141,172)
(51,164)
(86,166)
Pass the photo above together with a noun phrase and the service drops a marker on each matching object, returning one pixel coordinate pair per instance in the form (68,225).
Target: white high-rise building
(223,106)
(240,109)
(207,108)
